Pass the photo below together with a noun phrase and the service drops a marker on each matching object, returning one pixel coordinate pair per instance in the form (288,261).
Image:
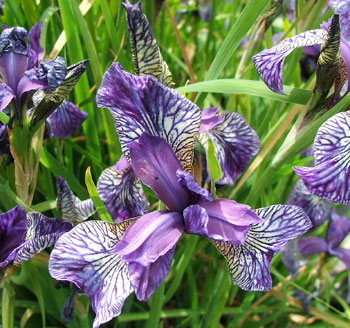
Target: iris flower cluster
(157,129)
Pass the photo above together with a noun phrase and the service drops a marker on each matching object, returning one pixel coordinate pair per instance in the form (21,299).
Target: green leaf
(95,197)
(156,304)
(35,279)
(213,163)
(4,118)
(45,18)
(248,87)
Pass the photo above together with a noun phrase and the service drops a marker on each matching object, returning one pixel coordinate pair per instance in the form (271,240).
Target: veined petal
(235,145)
(269,62)
(12,39)
(331,175)
(141,104)
(312,245)
(121,192)
(150,237)
(316,208)
(13,227)
(229,220)
(86,257)
(342,7)
(155,163)
(66,119)
(42,232)
(248,264)
(146,279)
(6,95)
(338,229)
(72,208)
(145,52)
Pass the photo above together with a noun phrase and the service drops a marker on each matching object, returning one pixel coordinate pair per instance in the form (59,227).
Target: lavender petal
(66,119)
(312,245)
(141,104)
(86,257)
(269,62)
(121,192)
(330,176)
(248,264)
(6,95)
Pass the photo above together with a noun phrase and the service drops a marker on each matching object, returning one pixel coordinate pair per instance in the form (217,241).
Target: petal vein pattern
(269,62)
(330,176)
(85,256)
(248,264)
(141,104)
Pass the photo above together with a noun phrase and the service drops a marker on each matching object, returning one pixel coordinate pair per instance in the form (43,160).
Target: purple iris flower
(109,261)
(24,235)
(338,229)
(269,62)
(19,64)
(235,142)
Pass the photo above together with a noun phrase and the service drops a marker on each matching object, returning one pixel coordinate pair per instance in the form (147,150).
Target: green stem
(156,304)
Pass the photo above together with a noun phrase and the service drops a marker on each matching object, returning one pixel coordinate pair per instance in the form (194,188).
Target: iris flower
(23,72)
(157,128)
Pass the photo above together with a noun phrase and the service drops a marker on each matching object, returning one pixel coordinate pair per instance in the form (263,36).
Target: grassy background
(197,291)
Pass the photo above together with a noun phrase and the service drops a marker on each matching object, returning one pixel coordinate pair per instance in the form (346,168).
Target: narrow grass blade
(8,305)
(156,304)
(95,197)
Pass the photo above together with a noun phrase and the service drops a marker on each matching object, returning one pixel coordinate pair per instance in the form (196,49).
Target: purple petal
(227,220)
(155,163)
(342,7)
(56,72)
(141,104)
(331,175)
(249,263)
(209,119)
(312,245)
(34,41)
(72,208)
(12,68)
(338,229)
(6,95)
(145,52)
(205,10)
(196,220)
(121,192)
(150,237)
(13,227)
(269,62)
(235,144)
(33,79)
(146,279)
(194,191)
(86,257)
(13,40)
(316,208)
(343,255)
(66,119)
(42,232)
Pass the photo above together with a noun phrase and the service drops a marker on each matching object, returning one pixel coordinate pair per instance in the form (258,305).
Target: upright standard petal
(145,52)
(66,119)
(330,178)
(235,144)
(34,42)
(342,7)
(86,257)
(316,208)
(150,237)
(269,62)
(13,227)
(121,192)
(141,104)
(248,264)
(338,229)
(72,208)
(155,163)
(42,232)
